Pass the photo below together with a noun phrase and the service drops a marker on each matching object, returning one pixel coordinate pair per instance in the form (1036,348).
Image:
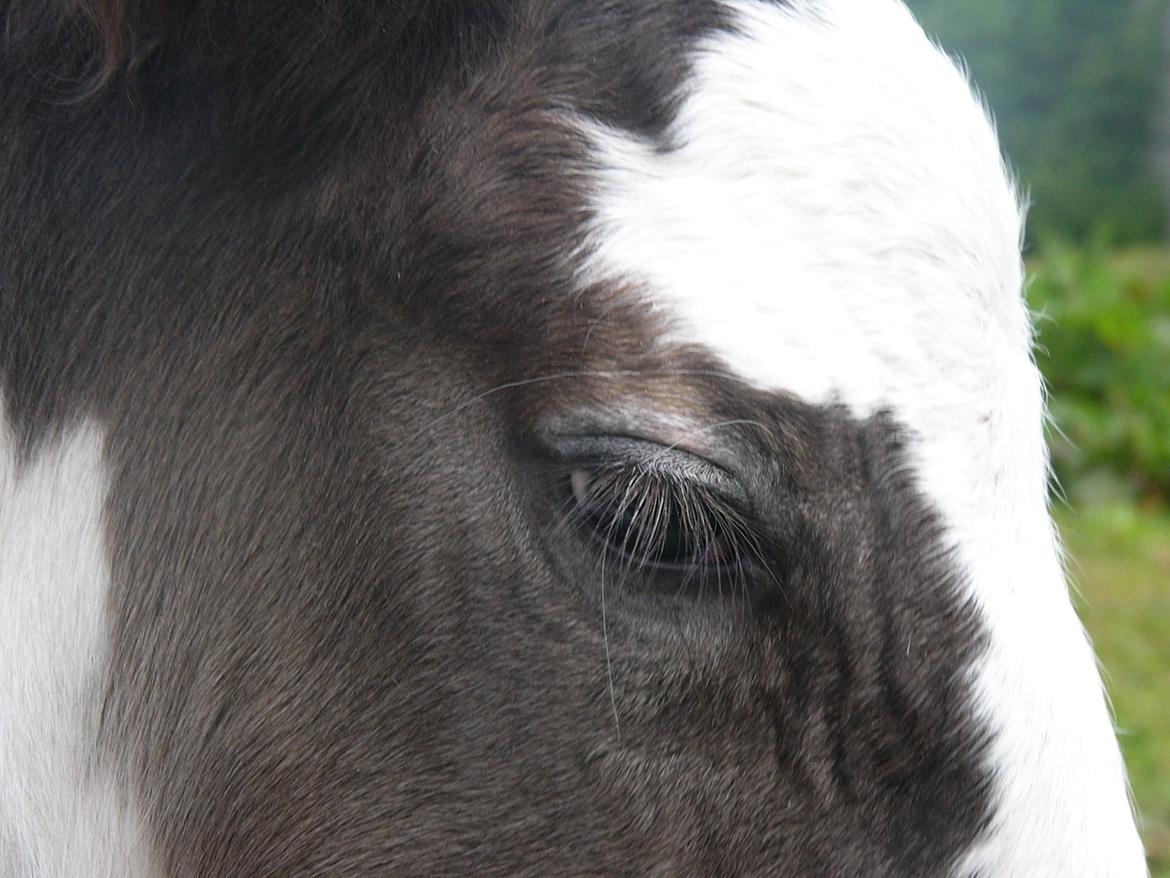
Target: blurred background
(1080,90)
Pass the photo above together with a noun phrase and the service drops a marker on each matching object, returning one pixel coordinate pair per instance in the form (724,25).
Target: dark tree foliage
(1075,87)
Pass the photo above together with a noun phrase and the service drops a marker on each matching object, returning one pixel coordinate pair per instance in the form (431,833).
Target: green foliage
(1074,86)
(1104,347)
(1120,563)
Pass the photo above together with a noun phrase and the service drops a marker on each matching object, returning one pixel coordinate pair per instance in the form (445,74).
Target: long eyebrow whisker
(617,723)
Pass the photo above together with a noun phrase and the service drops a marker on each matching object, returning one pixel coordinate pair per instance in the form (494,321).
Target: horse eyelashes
(653,520)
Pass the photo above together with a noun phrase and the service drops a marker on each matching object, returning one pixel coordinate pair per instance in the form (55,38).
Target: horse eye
(653,520)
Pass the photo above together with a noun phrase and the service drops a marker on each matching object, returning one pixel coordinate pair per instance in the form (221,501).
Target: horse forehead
(831,214)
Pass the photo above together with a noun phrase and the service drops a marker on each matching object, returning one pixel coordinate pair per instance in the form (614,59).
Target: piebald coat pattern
(322,327)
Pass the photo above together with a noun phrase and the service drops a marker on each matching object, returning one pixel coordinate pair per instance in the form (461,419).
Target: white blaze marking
(61,812)
(836,222)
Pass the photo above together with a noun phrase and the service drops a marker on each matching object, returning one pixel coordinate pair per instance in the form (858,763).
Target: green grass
(1120,562)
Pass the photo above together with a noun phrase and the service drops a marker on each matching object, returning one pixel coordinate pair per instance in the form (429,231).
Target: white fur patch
(836,222)
(61,812)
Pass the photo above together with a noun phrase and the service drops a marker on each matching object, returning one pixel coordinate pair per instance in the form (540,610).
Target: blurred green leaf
(1106,356)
